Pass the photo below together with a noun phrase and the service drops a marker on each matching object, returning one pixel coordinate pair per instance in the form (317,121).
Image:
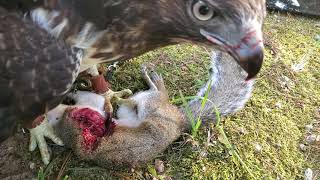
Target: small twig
(63,167)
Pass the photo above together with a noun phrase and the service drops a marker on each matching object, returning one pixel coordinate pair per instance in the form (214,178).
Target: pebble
(258,148)
(242,130)
(299,67)
(309,127)
(278,105)
(32,165)
(132,170)
(279,145)
(159,166)
(203,154)
(303,147)
(311,138)
(204,168)
(308,174)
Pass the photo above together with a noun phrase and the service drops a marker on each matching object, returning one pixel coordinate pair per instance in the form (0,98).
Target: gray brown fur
(229,89)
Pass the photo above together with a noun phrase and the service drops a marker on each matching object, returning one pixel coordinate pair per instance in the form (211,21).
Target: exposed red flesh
(93,127)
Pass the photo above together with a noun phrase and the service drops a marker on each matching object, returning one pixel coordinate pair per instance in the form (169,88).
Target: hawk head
(234,26)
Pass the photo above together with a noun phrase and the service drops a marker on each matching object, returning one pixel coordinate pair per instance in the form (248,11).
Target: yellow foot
(115,97)
(37,139)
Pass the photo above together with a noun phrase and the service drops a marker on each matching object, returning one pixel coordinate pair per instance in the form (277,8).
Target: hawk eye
(202,11)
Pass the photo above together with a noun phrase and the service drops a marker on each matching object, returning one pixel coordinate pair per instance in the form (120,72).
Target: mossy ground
(283,103)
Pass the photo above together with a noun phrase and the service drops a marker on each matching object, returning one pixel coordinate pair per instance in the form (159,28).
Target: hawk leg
(37,137)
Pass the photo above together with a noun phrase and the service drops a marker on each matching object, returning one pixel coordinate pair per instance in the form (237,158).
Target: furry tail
(228,91)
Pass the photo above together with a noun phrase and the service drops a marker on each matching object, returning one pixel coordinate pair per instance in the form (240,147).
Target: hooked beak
(248,53)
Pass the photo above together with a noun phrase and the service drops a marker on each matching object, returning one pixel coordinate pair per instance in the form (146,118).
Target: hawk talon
(114,97)
(37,139)
(127,102)
(119,94)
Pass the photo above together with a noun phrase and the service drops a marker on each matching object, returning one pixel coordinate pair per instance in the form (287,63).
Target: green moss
(278,130)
